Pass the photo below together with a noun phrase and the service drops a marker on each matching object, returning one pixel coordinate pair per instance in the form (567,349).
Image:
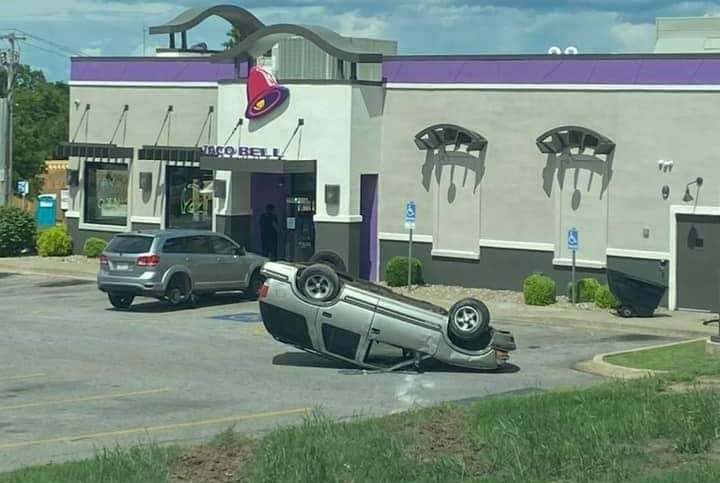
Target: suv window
(130,244)
(198,244)
(174,245)
(221,246)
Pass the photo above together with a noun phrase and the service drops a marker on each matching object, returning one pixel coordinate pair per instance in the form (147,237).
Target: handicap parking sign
(573,242)
(410,215)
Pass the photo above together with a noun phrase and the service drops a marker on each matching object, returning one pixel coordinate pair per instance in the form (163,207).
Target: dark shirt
(267,225)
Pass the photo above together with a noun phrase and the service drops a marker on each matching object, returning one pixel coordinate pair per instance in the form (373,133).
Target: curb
(599,367)
(56,272)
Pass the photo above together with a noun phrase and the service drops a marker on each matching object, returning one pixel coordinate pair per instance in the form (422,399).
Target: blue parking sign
(573,241)
(410,213)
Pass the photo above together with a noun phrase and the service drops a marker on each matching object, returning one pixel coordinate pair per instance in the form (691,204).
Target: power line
(54,52)
(58,46)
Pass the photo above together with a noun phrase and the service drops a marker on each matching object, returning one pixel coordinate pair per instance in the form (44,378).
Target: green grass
(684,360)
(140,464)
(631,431)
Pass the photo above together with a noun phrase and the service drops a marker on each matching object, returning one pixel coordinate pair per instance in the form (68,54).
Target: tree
(40,122)
(234,37)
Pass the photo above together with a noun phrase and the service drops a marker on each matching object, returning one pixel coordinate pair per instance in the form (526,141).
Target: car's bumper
(144,285)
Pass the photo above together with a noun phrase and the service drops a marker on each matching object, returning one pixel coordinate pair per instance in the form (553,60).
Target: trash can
(45,210)
(638,297)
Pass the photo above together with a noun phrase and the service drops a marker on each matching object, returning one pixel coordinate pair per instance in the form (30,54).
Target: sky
(57,29)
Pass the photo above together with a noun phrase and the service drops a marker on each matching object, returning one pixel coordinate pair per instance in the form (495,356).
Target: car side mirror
(240,251)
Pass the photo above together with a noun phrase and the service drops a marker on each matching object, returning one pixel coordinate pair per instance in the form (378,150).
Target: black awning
(568,137)
(258,165)
(94,150)
(181,154)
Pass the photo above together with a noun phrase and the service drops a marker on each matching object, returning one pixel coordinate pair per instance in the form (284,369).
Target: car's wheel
(178,290)
(319,283)
(329,258)
(468,318)
(120,301)
(253,289)
(625,311)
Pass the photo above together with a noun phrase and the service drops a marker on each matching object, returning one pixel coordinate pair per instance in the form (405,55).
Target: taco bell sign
(240,151)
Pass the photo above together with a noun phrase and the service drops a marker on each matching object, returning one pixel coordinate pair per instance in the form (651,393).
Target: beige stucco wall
(646,127)
(147,109)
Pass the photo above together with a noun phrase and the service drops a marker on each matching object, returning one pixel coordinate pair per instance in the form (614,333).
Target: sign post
(573,244)
(410,216)
(23,188)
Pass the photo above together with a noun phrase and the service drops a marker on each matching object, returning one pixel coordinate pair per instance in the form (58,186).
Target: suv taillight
(264,289)
(103,260)
(147,261)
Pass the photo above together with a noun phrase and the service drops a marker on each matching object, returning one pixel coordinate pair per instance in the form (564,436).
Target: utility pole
(8,59)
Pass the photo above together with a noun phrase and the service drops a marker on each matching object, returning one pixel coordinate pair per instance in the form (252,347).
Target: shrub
(396,272)
(539,290)
(586,289)
(93,247)
(605,299)
(17,231)
(54,242)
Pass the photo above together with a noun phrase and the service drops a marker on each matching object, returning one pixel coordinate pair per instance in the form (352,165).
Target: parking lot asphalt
(77,375)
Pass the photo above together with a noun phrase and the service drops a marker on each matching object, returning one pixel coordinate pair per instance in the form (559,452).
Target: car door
(231,265)
(201,261)
(343,328)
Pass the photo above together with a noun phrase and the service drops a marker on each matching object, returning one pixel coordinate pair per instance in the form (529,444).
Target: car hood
(254,257)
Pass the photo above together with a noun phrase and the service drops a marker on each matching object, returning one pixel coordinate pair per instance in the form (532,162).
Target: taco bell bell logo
(263,93)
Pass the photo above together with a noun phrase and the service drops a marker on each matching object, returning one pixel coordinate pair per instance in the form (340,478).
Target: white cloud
(91,51)
(630,37)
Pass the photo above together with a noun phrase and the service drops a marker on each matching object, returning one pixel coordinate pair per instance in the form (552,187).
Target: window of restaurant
(189,198)
(106,193)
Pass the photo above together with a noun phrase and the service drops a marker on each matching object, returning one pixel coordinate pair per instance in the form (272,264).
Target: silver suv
(176,266)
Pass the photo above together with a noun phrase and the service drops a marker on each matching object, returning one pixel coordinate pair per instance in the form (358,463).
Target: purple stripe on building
(150,70)
(554,71)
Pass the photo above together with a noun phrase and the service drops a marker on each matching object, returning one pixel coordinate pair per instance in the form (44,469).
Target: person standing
(269,230)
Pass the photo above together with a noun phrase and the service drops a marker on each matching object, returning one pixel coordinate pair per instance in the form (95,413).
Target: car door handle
(327,315)
(187,259)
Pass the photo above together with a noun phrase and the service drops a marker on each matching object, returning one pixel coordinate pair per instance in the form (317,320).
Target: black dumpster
(638,297)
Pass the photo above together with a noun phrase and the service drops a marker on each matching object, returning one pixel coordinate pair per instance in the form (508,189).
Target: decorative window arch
(440,136)
(574,139)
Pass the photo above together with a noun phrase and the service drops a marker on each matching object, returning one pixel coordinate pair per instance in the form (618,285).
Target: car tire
(319,283)
(253,290)
(120,301)
(329,258)
(179,290)
(468,318)
(625,311)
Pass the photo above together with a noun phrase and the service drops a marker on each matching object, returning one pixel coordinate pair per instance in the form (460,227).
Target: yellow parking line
(26,376)
(124,432)
(86,398)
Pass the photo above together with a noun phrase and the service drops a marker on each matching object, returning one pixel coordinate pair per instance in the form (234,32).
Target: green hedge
(539,290)
(586,289)
(94,247)
(54,242)
(605,299)
(17,231)
(396,272)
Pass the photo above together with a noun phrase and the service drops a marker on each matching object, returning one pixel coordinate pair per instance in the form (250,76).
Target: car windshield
(129,244)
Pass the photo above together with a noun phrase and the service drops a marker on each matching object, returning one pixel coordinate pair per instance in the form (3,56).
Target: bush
(17,231)
(586,289)
(396,272)
(94,247)
(605,299)
(539,290)
(54,242)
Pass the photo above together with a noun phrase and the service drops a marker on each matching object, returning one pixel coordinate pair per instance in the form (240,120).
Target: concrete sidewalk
(677,323)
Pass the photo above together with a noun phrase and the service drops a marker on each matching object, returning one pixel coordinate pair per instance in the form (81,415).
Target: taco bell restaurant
(501,155)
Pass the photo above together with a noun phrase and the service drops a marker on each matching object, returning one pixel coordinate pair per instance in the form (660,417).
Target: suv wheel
(319,283)
(253,290)
(178,291)
(120,301)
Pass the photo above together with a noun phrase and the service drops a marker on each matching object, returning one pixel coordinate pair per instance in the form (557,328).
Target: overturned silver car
(320,310)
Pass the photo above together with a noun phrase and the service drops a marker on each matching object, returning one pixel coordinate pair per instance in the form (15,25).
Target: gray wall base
(341,238)
(80,236)
(505,269)
(236,227)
